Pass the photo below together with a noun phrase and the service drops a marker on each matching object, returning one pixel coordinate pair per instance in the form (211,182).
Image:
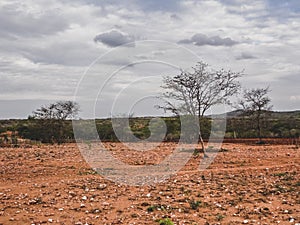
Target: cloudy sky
(70,49)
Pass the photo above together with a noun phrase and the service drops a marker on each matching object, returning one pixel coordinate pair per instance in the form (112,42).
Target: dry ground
(246,184)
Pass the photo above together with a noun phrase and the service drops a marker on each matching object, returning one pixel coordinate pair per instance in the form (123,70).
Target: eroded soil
(246,184)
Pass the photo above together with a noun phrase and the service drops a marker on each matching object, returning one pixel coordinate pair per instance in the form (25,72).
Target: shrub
(166,221)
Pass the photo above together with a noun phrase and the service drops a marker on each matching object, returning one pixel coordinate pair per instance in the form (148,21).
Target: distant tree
(256,103)
(193,93)
(49,123)
(60,110)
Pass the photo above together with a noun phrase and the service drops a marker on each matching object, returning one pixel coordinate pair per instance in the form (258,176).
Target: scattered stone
(102,186)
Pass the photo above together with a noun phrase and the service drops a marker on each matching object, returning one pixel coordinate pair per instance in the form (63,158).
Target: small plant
(87,172)
(280,174)
(166,221)
(219,217)
(279,188)
(195,204)
(151,208)
(160,207)
(196,153)
(182,188)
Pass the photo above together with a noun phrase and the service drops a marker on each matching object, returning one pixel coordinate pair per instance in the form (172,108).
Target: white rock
(102,186)
(245,221)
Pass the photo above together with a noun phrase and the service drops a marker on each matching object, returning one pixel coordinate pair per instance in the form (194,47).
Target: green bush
(166,221)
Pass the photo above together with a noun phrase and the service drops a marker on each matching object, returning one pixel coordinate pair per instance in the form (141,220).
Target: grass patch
(166,221)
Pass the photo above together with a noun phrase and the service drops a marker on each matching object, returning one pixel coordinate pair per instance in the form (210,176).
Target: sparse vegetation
(60,183)
(195,204)
(220,217)
(165,221)
(277,125)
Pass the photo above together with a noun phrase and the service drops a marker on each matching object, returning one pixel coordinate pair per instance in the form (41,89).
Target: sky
(110,56)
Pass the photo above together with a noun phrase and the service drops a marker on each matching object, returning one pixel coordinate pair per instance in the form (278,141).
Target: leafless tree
(256,103)
(193,93)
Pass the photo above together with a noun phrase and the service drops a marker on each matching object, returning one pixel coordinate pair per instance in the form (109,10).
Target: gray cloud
(157,5)
(245,55)
(202,39)
(115,38)
(175,17)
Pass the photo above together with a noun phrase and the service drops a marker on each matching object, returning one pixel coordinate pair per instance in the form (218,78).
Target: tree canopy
(256,103)
(193,93)
(60,110)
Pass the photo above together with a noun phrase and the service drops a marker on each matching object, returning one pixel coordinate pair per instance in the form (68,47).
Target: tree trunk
(200,141)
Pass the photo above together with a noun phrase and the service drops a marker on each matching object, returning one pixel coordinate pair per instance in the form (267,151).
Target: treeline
(287,127)
(275,125)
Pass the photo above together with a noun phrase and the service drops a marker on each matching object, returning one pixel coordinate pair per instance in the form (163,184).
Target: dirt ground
(246,184)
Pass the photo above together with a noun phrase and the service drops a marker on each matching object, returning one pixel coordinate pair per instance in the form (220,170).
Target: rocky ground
(246,184)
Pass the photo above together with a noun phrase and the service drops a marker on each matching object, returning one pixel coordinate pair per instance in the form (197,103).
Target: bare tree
(193,93)
(256,103)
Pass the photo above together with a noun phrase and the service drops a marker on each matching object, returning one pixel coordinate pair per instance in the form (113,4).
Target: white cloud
(46,45)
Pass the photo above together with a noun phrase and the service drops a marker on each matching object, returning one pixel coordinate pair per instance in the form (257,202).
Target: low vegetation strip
(281,128)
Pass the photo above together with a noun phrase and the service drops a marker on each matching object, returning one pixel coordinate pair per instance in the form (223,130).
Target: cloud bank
(45,46)
(202,39)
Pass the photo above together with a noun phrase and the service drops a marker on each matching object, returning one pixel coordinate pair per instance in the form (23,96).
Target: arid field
(246,184)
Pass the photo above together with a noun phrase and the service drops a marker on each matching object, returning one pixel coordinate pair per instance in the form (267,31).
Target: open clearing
(246,184)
